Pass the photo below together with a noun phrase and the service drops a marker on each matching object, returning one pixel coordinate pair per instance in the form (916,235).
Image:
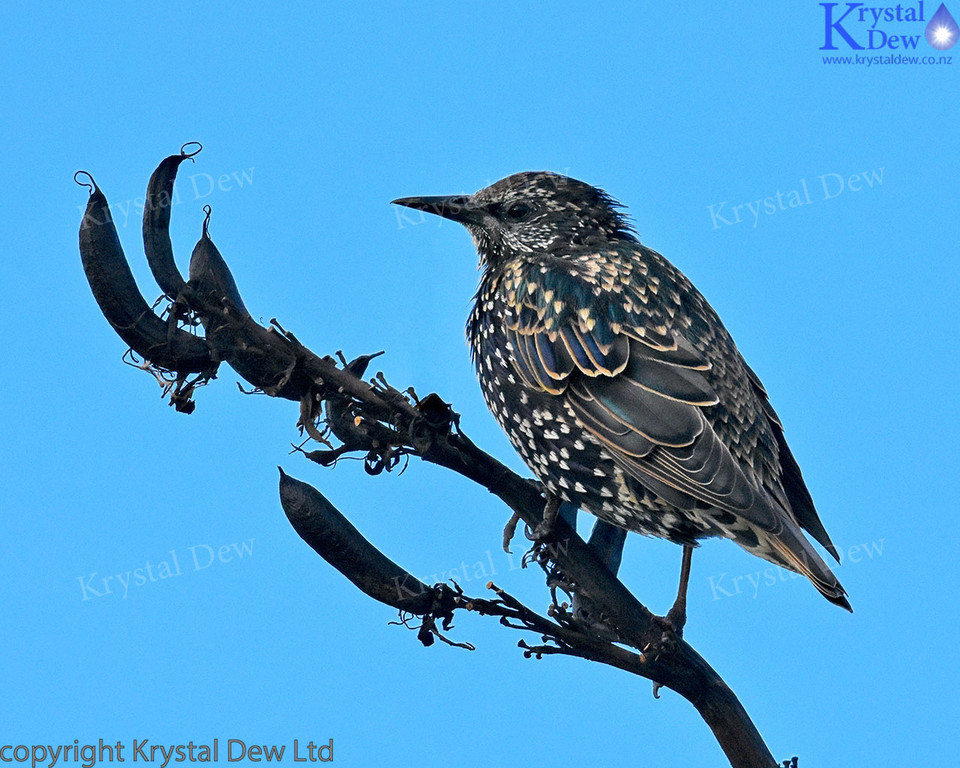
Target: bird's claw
(510,530)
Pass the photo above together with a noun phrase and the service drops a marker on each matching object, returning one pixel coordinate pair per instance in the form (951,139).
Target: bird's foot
(668,640)
(676,618)
(544,530)
(671,630)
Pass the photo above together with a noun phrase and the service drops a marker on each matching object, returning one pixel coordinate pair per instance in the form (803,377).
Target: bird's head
(531,212)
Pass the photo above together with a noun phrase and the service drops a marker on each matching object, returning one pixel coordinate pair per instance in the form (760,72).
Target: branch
(387,425)
(671,662)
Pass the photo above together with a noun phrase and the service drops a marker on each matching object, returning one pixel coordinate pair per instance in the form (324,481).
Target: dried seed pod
(334,538)
(210,276)
(156,222)
(113,286)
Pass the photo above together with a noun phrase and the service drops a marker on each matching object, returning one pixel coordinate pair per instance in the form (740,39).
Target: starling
(617,383)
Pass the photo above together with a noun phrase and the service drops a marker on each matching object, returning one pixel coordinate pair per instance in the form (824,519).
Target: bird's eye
(518,211)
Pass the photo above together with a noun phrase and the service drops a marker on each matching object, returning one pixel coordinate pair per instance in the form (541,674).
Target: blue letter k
(835,25)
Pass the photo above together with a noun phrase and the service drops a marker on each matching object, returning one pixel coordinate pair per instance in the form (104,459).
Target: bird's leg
(677,615)
(607,542)
(550,510)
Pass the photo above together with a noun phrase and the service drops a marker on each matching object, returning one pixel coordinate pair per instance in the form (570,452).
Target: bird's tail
(791,549)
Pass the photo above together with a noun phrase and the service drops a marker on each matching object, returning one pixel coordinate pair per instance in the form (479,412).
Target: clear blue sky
(845,304)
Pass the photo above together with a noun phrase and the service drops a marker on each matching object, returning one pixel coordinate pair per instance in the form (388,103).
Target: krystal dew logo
(859,27)
(942,32)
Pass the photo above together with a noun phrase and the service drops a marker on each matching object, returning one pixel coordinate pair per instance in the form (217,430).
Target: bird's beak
(454,207)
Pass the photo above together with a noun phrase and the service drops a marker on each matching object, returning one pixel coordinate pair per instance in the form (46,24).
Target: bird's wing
(637,387)
(640,389)
(794,488)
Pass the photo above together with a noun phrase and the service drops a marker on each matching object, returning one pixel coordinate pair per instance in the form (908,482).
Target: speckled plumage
(617,382)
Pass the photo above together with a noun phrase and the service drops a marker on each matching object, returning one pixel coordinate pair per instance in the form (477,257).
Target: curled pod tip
(207,210)
(187,155)
(91,185)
